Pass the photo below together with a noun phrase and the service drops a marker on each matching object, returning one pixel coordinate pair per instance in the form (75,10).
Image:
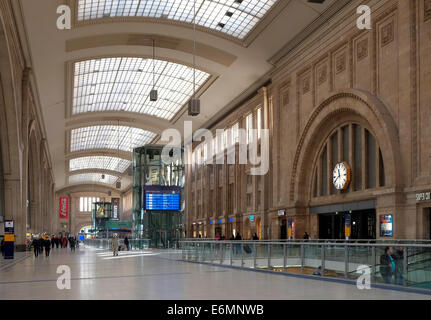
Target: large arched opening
(355,129)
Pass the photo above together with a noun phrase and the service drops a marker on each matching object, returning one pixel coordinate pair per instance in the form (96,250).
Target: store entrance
(283,229)
(363,225)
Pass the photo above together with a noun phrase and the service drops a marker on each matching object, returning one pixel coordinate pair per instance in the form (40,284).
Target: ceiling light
(194,103)
(221,25)
(229,14)
(153,92)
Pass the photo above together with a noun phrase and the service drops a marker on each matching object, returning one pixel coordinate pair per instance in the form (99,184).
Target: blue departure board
(162,201)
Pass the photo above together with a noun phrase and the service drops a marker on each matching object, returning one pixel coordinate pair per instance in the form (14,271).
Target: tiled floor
(151,275)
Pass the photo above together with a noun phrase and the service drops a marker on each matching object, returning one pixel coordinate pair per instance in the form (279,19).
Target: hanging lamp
(153,92)
(194,103)
(118,183)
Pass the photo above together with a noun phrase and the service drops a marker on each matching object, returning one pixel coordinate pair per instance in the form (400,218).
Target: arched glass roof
(92,177)
(124,84)
(233,17)
(109,137)
(99,162)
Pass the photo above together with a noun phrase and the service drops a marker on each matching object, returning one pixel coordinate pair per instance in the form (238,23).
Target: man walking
(115,243)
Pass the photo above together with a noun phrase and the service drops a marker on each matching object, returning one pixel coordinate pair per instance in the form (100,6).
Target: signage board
(386,225)
(347,226)
(252,218)
(424,196)
(63,208)
(162,198)
(9,227)
(9,237)
(281,213)
(115,209)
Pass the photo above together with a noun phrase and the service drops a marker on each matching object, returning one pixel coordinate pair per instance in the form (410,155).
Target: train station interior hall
(267,149)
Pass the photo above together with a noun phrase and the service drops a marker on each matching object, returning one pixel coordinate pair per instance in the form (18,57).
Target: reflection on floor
(147,274)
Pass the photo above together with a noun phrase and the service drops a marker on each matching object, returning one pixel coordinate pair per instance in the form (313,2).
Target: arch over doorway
(338,108)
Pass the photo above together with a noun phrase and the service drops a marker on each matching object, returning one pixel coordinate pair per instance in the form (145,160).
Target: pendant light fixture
(194,103)
(153,92)
(118,183)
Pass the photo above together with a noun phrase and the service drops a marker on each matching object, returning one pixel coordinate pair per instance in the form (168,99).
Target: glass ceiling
(109,137)
(124,84)
(233,17)
(99,162)
(92,177)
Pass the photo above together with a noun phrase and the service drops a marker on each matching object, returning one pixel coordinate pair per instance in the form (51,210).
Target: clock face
(341,176)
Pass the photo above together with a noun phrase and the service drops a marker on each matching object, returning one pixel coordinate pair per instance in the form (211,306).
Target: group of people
(40,243)
(392,265)
(233,237)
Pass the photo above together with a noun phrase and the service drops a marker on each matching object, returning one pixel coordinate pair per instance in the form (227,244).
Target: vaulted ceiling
(93,81)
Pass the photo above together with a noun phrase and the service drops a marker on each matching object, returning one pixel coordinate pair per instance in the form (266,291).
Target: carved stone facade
(380,78)
(28,180)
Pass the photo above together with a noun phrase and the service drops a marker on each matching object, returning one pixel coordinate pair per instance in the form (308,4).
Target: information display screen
(162,199)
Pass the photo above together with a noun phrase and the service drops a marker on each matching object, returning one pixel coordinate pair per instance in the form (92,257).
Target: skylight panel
(123,84)
(234,18)
(99,162)
(92,177)
(109,137)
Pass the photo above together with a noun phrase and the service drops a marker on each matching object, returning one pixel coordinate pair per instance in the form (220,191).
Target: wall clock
(341,176)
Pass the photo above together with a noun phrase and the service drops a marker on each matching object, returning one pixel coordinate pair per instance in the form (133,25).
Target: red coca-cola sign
(63,208)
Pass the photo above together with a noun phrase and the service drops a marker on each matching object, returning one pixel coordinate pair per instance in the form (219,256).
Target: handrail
(408,245)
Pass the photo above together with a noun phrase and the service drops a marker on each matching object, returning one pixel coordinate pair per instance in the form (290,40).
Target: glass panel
(334,147)
(324,168)
(92,177)
(124,84)
(357,171)
(106,137)
(98,162)
(346,144)
(235,18)
(371,159)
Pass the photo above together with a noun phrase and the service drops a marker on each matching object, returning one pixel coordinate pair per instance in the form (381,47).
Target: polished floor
(96,274)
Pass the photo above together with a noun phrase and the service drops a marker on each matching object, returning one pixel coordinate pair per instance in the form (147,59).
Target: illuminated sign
(220,221)
(281,212)
(251,218)
(211,222)
(386,225)
(163,198)
(115,209)
(63,208)
(230,219)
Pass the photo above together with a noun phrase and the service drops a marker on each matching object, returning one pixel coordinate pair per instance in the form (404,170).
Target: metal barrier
(411,266)
(134,244)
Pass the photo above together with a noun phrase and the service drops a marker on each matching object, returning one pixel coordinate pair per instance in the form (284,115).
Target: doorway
(363,225)
(258,228)
(283,229)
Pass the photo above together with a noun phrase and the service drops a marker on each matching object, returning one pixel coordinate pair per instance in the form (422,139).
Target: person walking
(47,243)
(238,246)
(126,243)
(72,242)
(115,243)
(399,266)
(35,244)
(387,265)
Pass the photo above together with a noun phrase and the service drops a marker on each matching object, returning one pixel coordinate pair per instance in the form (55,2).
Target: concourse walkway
(149,274)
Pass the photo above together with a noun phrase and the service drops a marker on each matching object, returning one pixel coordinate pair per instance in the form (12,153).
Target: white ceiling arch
(114,164)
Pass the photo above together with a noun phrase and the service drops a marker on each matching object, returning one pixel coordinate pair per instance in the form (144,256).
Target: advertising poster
(8,227)
(347,226)
(386,225)
(63,208)
(289,229)
(115,209)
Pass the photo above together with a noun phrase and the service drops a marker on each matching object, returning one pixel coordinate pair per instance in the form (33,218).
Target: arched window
(355,145)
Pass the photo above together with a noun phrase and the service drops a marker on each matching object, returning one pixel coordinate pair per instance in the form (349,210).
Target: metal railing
(347,260)
(134,244)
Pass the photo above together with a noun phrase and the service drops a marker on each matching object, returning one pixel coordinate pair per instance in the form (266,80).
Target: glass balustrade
(347,260)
